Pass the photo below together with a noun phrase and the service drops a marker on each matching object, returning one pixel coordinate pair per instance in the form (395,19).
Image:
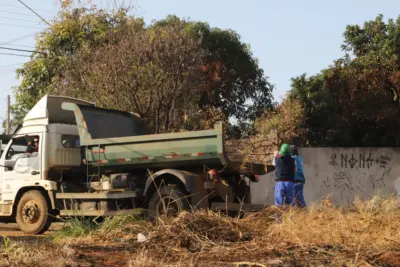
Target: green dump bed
(115,138)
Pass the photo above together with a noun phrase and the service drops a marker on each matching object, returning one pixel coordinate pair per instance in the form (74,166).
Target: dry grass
(319,236)
(35,254)
(373,226)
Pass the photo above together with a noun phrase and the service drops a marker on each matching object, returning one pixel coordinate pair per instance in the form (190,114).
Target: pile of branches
(195,231)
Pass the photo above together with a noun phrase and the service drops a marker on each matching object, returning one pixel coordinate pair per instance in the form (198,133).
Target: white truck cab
(28,181)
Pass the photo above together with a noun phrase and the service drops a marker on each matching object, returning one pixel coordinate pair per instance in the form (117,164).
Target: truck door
(21,164)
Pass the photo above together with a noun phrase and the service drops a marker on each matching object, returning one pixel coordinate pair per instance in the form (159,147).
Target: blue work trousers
(284,193)
(298,189)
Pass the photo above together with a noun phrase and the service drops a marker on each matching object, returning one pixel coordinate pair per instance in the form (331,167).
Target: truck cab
(37,171)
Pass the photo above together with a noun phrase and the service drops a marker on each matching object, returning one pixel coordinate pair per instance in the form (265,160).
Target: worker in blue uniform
(299,178)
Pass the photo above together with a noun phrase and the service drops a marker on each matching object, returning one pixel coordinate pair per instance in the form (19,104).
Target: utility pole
(8,115)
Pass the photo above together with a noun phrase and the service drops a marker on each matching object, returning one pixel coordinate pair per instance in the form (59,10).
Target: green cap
(285,150)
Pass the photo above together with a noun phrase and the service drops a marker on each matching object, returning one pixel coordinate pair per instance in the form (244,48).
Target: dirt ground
(324,237)
(12,230)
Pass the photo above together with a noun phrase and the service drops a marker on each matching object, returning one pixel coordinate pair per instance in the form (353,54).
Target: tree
(368,107)
(81,29)
(355,102)
(229,85)
(155,73)
(236,84)
(318,104)
(287,119)
(367,86)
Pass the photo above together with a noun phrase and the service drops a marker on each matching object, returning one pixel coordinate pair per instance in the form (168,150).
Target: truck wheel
(168,201)
(33,213)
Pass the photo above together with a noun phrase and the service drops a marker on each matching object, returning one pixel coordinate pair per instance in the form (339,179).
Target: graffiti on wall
(361,161)
(356,173)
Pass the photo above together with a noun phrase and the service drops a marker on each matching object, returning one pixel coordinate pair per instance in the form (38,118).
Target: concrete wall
(342,173)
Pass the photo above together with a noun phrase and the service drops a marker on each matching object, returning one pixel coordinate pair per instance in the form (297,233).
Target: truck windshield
(103,123)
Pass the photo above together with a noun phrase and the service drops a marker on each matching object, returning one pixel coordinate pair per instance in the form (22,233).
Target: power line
(11,54)
(17,49)
(27,20)
(20,45)
(17,13)
(18,25)
(23,7)
(21,50)
(34,12)
(3,67)
(17,39)
(8,70)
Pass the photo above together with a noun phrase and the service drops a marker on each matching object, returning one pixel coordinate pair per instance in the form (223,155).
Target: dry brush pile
(323,235)
(367,235)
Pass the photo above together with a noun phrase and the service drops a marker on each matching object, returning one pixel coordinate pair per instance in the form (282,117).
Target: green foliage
(77,226)
(376,37)
(7,244)
(152,72)
(234,77)
(83,30)
(356,101)
(230,83)
(118,222)
(287,119)
(318,105)
(95,228)
(367,87)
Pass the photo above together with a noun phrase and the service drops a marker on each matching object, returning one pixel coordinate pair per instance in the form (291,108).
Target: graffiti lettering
(326,183)
(360,172)
(333,160)
(343,160)
(383,161)
(365,162)
(362,161)
(342,181)
(352,161)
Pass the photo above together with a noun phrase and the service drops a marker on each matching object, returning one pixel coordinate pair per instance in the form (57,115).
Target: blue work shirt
(299,175)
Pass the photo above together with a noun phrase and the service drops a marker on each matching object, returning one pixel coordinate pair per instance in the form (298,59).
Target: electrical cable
(34,12)
(18,25)
(17,49)
(23,7)
(17,13)
(11,54)
(7,70)
(2,67)
(21,50)
(27,20)
(19,45)
(17,39)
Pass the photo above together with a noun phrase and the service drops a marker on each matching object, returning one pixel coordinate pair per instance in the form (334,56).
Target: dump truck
(95,162)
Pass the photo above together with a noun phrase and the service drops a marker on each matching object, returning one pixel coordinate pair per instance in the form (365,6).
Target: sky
(288,38)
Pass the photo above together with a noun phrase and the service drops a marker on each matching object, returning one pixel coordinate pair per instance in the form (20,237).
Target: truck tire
(33,213)
(174,200)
